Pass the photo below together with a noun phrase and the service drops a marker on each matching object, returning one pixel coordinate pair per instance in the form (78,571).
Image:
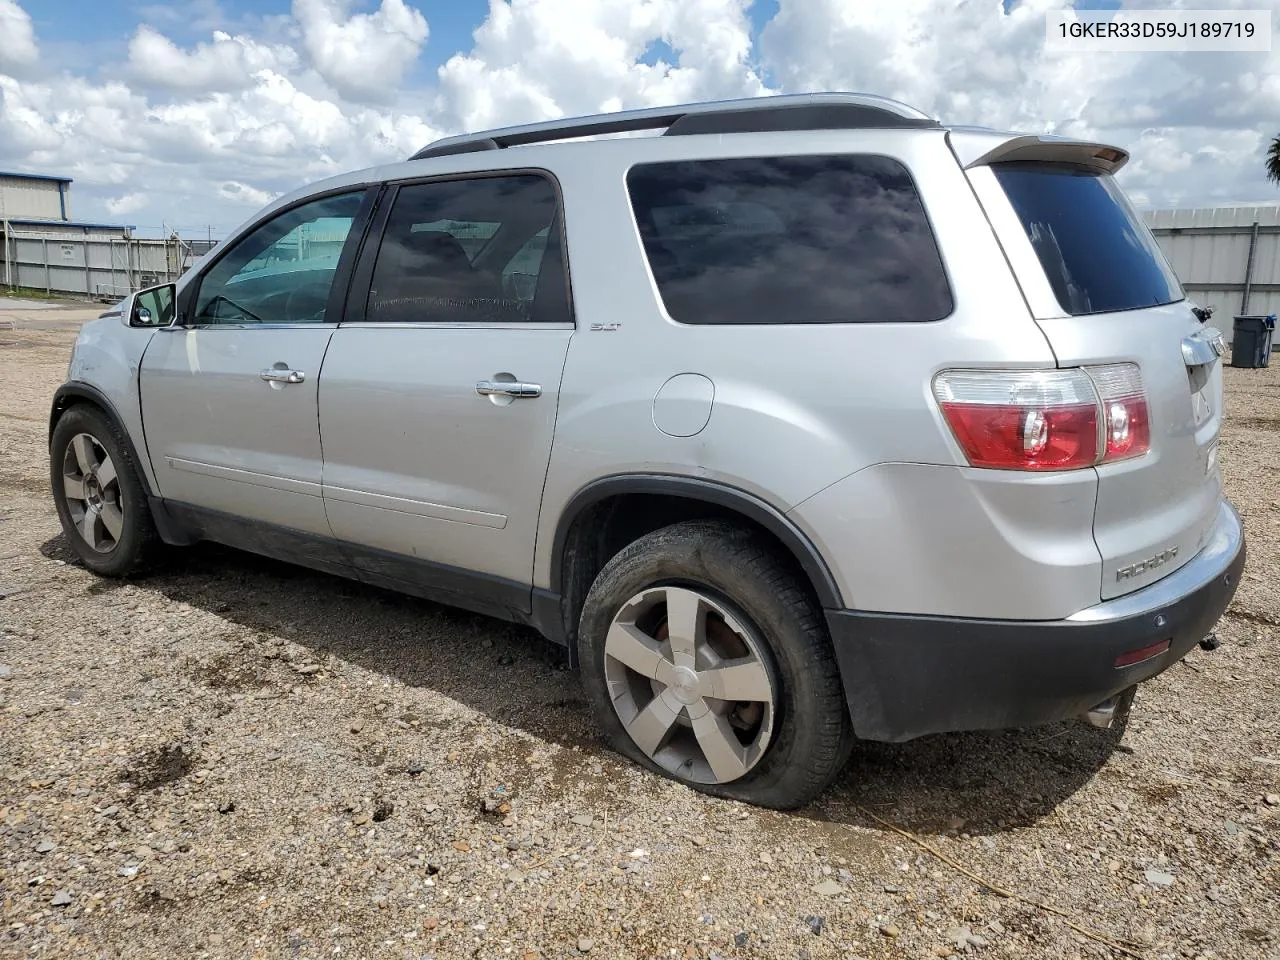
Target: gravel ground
(236,758)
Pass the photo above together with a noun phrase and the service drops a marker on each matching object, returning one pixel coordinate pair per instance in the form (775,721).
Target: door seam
(324,502)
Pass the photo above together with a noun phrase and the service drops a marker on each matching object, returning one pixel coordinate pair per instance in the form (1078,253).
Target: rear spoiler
(975,147)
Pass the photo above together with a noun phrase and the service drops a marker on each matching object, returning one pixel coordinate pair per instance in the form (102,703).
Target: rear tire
(99,496)
(663,625)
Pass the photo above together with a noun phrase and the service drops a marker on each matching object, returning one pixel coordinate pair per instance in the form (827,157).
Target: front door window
(282,271)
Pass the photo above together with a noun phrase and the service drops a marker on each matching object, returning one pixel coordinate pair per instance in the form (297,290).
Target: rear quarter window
(813,239)
(1097,253)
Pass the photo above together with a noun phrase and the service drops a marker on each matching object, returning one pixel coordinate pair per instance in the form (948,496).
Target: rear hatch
(1105,297)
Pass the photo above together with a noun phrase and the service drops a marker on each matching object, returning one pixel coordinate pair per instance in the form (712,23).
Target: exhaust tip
(1104,714)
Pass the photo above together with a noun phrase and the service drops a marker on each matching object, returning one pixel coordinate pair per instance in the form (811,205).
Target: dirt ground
(236,758)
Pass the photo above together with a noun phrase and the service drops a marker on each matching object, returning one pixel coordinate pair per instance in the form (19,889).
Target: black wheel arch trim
(85,391)
(170,531)
(706,491)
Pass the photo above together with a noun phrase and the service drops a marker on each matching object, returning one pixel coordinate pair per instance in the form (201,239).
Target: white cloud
(17,38)
(243,194)
(24,128)
(196,134)
(126,203)
(1191,120)
(542,59)
(228,63)
(365,56)
(963,62)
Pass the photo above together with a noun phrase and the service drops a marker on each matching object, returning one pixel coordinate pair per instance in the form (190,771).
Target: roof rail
(799,111)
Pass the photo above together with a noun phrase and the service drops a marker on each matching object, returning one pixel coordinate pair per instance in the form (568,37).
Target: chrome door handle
(1203,347)
(504,388)
(276,375)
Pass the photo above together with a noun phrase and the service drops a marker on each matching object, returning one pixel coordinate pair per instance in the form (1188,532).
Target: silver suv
(808,419)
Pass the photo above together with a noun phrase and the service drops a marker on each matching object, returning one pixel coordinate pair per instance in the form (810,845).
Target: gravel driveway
(236,758)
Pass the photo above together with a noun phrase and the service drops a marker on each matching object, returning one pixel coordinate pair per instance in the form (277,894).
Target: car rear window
(812,239)
(1098,255)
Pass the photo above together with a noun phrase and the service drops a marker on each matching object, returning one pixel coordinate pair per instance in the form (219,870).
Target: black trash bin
(1251,341)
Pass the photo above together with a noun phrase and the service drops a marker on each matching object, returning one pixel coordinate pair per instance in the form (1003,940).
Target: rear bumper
(906,676)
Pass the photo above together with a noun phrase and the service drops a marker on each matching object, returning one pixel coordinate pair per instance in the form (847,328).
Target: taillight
(1124,406)
(1046,419)
(1023,419)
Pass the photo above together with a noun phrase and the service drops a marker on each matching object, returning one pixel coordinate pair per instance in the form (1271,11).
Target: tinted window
(282,271)
(483,250)
(838,239)
(1098,255)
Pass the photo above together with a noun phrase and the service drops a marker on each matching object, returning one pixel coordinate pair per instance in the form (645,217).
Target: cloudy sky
(192,113)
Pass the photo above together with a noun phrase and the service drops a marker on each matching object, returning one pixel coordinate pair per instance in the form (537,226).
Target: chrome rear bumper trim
(1224,544)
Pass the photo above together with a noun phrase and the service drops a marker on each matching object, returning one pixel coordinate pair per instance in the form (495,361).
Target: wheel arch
(77,392)
(590,529)
(710,493)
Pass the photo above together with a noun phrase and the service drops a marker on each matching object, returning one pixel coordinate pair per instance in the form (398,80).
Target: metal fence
(1226,257)
(99,267)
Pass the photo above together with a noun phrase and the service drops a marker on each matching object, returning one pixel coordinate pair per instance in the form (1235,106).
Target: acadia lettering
(1143,566)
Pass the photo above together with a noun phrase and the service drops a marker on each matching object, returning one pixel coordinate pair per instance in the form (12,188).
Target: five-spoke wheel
(100,499)
(706,659)
(690,681)
(92,489)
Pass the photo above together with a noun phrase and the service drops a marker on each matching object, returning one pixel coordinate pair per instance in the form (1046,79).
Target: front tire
(99,497)
(705,660)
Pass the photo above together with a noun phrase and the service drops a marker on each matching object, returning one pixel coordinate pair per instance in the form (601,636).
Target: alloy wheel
(691,683)
(92,489)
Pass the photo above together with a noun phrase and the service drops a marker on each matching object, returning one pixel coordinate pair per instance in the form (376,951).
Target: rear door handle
(504,388)
(279,375)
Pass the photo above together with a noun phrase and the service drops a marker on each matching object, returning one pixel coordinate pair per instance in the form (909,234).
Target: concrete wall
(1209,249)
(33,198)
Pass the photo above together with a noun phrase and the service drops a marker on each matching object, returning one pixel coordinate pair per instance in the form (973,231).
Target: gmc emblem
(1144,566)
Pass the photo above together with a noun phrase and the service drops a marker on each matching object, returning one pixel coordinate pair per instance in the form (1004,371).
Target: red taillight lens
(1125,416)
(1017,438)
(1023,419)
(1046,419)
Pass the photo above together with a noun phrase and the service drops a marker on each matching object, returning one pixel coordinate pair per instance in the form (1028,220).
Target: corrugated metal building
(1226,257)
(32,203)
(43,248)
(34,196)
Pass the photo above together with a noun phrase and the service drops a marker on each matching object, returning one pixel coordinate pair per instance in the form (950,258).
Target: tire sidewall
(128,550)
(705,557)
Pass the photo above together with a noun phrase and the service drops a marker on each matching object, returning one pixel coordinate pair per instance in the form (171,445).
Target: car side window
(282,271)
(521,272)
(479,250)
(794,239)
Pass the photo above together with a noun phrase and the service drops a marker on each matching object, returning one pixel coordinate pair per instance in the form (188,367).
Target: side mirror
(153,307)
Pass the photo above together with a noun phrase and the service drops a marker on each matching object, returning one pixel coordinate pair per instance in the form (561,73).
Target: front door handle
(280,375)
(505,388)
